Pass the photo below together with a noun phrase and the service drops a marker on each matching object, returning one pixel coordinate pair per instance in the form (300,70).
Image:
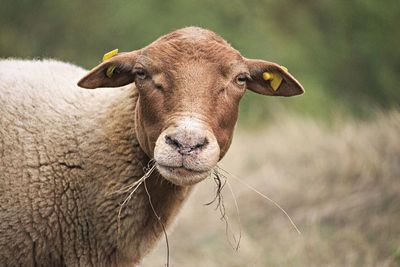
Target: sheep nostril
(185,148)
(172,142)
(201,144)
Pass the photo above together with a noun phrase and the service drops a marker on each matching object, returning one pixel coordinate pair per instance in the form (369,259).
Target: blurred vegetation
(345,52)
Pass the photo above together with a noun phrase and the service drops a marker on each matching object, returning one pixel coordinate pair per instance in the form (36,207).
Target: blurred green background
(345,52)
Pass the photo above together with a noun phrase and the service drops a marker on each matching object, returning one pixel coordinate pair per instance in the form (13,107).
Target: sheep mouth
(181,175)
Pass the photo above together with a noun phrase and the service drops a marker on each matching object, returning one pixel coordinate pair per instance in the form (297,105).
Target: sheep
(66,152)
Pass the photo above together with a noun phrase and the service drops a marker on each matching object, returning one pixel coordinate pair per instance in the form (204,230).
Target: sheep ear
(113,72)
(268,78)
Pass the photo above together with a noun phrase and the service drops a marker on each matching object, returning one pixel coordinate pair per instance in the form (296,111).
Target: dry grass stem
(132,189)
(264,196)
(237,212)
(221,207)
(159,221)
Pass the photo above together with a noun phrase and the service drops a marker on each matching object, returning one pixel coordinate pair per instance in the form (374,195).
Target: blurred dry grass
(340,184)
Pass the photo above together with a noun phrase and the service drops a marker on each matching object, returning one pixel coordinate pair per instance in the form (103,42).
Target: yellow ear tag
(110,54)
(107,56)
(110,71)
(274,78)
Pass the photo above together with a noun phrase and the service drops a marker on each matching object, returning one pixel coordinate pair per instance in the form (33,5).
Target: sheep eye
(141,74)
(241,79)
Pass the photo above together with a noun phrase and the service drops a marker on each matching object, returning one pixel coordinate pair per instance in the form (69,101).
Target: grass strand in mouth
(235,241)
(218,196)
(159,221)
(148,171)
(131,189)
(219,199)
(238,214)
(263,196)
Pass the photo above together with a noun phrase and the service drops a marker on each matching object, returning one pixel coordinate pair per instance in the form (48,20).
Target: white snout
(186,152)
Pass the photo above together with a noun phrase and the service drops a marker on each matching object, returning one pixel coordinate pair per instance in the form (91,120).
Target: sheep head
(190,83)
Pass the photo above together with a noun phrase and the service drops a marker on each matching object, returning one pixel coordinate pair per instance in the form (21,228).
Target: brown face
(190,83)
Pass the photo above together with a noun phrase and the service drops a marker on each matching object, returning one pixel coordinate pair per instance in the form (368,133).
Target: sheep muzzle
(186,152)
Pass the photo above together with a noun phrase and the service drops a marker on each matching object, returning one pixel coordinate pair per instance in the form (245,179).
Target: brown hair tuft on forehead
(191,43)
(193,34)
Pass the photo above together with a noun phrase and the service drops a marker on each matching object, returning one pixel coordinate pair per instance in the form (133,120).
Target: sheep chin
(181,176)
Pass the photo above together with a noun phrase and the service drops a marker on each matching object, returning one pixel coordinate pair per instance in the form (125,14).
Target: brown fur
(64,150)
